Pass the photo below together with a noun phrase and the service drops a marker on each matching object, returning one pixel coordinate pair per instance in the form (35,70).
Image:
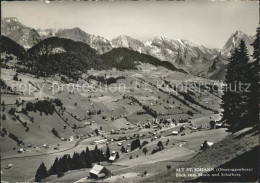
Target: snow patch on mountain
(99,43)
(21,34)
(234,41)
(58,50)
(127,42)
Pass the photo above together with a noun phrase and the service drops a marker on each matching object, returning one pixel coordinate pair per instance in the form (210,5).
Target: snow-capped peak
(10,19)
(148,43)
(161,37)
(239,32)
(234,41)
(127,42)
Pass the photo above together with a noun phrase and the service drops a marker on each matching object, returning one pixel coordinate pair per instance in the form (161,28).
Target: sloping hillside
(70,58)
(192,58)
(10,47)
(182,54)
(123,58)
(57,55)
(239,150)
(217,69)
(234,41)
(21,34)
(127,42)
(98,43)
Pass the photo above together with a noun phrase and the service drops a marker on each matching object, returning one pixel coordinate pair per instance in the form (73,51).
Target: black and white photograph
(129,91)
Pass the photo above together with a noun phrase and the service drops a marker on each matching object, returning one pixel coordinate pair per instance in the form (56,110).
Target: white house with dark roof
(112,159)
(99,171)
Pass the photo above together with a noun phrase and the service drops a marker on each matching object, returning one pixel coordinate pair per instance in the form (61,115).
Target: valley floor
(122,118)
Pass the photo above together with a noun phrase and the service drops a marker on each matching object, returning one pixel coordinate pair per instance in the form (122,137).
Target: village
(179,121)
(129,92)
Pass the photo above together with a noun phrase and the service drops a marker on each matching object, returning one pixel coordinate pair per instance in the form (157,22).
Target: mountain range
(21,34)
(98,43)
(182,54)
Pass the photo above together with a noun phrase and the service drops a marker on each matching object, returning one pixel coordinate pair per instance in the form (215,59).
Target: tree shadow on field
(253,131)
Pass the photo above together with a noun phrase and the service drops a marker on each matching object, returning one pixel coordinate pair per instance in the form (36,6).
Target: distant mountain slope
(183,54)
(13,29)
(10,47)
(98,43)
(194,59)
(123,58)
(234,41)
(28,37)
(64,56)
(127,42)
(217,69)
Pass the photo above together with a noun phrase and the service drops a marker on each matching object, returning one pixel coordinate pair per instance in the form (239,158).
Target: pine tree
(73,163)
(123,149)
(83,158)
(243,76)
(54,168)
(253,95)
(41,173)
(64,164)
(78,161)
(108,153)
(160,145)
(89,158)
(229,97)
(96,148)
(101,153)
(145,150)
(96,155)
(3,117)
(138,143)
(135,144)
(117,155)
(235,98)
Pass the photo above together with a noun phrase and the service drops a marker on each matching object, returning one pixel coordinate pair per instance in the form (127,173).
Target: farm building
(218,125)
(206,144)
(175,132)
(20,150)
(111,159)
(45,146)
(103,141)
(99,171)
(9,166)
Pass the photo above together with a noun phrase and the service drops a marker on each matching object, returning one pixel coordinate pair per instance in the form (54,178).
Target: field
(136,107)
(231,152)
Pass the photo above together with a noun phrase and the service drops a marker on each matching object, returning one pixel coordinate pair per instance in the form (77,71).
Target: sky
(208,23)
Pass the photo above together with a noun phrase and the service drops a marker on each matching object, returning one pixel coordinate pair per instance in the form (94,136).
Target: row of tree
(44,106)
(105,80)
(77,161)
